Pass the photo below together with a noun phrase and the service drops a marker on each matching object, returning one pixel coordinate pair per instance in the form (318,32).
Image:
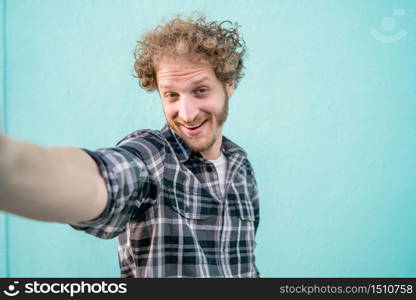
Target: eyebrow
(199,81)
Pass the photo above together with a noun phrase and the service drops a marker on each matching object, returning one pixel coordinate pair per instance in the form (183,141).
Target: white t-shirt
(221,166)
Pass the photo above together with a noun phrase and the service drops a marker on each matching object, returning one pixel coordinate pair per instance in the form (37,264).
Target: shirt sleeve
(255,200)
(127,182)
(254,195)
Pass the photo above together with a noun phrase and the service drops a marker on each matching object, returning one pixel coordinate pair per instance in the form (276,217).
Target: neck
(214,151)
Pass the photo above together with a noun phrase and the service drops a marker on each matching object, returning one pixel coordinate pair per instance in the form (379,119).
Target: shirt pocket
(240,199)
(186,196)
(245,209)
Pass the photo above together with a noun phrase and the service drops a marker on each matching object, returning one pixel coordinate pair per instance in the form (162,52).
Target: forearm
(59,184)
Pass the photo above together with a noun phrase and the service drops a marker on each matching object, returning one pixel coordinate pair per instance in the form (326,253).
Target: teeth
(193,126)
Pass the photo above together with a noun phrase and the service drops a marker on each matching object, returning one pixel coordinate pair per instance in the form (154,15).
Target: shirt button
(209,168)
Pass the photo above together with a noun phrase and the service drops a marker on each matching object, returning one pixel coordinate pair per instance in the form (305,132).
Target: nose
(188,109)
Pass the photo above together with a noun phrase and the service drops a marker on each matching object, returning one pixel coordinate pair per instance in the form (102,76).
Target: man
(183,200)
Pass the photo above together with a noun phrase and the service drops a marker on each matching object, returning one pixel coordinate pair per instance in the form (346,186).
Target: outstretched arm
(55,184)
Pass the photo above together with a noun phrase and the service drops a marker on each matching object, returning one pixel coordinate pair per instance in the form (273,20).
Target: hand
(3,158)
(6,158)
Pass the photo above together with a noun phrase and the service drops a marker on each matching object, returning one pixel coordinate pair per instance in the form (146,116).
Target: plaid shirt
(166,207)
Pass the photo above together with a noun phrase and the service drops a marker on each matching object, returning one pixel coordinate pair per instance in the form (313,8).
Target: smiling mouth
(193,129)
(194,126)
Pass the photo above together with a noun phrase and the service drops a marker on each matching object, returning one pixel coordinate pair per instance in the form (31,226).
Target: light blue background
(326,112)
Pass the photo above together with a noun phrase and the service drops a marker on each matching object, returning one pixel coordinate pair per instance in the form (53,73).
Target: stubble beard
(221,118)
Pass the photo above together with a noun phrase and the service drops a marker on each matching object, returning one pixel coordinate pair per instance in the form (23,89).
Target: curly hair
(217,43)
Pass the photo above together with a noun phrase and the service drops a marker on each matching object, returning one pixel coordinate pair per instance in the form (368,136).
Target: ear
(229,88)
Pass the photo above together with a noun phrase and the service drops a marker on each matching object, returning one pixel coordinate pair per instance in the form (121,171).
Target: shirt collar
(183,151)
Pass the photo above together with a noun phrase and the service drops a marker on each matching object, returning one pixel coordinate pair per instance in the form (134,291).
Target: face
(195,103)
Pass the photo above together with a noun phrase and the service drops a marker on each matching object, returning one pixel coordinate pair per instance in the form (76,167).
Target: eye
(201,90)
(171,95)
